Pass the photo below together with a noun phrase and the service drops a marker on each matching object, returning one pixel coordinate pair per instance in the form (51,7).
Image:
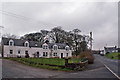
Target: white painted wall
(33,50)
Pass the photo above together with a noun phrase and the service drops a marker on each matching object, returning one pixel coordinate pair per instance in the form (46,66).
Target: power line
(24,17)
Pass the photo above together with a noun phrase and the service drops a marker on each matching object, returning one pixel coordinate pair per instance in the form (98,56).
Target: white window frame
(11,41)
(45,46)
(45,54)
(26,43)
(55,47)
(54,54)
(11,51)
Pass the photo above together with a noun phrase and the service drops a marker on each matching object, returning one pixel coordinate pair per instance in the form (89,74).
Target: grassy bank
(113,55)
(52,61)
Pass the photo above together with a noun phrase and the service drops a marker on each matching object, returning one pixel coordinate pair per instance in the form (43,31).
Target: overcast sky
(99,17)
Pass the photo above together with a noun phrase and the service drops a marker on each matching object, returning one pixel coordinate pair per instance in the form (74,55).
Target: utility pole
(90,40)
(1,31)
(1,49)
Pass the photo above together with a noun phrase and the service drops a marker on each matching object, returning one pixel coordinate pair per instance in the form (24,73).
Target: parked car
(102,53)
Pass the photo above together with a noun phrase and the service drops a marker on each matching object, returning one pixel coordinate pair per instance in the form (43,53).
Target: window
(55,54)
(45,47)
(11,43)
(45,53)
(67,48)
(18,51)
(55,47)
(66,54)
(26,52)
(11,51)
(26,44)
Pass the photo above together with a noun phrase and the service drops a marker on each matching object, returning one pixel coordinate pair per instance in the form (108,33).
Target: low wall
(77,66)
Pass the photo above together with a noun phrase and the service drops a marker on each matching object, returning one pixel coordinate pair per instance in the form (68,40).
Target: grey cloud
(98,17)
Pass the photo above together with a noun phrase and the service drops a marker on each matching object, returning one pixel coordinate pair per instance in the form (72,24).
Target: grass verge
(113,56)
(52,61)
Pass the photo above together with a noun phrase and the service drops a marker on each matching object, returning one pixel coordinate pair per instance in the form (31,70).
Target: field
(46,62)
(112,55)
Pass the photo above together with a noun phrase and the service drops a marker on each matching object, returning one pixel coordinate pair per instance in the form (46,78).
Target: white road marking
(111,71)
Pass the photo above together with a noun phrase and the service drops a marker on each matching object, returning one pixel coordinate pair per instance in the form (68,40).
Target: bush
(118,56)
(87,54)
(107,53)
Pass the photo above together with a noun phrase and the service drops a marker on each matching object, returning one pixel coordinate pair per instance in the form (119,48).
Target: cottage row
(18,47)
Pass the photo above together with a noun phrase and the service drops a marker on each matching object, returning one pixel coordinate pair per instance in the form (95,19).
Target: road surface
(12,69)
(111,63)
(0,68)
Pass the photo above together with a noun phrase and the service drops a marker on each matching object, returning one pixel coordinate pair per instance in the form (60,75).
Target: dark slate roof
(61,45)
(33,43)
(19,42)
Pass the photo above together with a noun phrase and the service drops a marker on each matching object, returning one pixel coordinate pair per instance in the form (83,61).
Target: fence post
(66,62)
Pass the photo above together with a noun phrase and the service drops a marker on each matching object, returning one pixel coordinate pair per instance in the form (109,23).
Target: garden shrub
(87,54)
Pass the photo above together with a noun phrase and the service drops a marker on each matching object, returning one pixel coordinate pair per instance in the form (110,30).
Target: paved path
(13,69)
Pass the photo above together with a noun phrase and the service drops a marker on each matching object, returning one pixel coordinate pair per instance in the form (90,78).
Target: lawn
(112,55)
(52,61)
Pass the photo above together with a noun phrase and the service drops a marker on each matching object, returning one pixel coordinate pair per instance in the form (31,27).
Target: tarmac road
(111,63)
(12,69)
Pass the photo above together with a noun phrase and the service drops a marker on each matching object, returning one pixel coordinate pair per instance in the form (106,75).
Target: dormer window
(26,44)
(67,48)
(11,43)
(55,47)
(45,46)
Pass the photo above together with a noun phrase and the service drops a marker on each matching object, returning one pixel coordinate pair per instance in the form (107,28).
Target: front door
(61,55)
(37,54)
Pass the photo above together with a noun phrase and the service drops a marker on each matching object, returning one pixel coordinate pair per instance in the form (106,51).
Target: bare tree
(8,35)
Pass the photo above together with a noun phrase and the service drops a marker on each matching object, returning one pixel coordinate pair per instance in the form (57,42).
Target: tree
(77,40)
(33,37)
(72,38)
(58,34)
(8,35)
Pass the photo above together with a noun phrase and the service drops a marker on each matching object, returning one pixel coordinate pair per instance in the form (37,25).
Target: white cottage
(110,49)
(18,47)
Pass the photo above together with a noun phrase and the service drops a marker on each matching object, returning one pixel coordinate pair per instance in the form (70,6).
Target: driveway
(12,69)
